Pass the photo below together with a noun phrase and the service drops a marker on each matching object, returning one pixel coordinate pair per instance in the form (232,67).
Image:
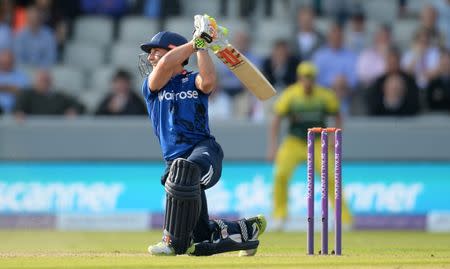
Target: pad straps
(244,232)
(223,228)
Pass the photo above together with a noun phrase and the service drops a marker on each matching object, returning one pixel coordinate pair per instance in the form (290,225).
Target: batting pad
(183,204)
(224,245)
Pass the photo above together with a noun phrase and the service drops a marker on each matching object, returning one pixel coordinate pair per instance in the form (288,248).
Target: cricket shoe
(258,224)
(161,249)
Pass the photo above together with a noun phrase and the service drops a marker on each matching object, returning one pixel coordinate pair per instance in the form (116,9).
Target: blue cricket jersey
(179,114)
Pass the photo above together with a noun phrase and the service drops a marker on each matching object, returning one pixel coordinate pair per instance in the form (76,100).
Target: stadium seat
(182,25)
(261,50)
(323,24)
(96,30)
(234,25)
(137,84)
(415,6)
(280,9)
(91,99)
(371,27)
(136,29)
(125,56)
(403,32)
(68,79)
(383,11)
(270,30)
(191,8)
(85,56)
(101,78)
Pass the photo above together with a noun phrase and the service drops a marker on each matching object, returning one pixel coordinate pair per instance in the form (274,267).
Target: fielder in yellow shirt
(305,104)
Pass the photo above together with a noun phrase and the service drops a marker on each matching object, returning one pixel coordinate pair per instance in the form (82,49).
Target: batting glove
(205,27)
(209,35)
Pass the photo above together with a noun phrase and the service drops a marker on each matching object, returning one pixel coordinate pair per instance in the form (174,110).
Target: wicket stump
(324,188)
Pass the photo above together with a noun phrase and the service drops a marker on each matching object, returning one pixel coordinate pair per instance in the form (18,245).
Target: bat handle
(206,37)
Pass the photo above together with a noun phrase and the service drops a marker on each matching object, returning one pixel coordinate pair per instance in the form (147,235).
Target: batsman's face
(155,55)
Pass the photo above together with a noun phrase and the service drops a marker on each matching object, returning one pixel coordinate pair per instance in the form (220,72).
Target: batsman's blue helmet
(165,40)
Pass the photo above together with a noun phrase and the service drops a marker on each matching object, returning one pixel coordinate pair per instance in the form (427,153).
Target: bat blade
(246,72)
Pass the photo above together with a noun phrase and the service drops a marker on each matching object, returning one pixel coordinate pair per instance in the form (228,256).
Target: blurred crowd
(369,71)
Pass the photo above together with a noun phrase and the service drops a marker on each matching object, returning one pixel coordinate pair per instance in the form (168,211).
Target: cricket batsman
(305,104)
(177,103)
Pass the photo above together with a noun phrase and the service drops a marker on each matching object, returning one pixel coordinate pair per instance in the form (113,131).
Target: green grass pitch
(48,249)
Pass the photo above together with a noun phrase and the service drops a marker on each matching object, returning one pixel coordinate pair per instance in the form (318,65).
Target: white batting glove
(205,27)
(219,34)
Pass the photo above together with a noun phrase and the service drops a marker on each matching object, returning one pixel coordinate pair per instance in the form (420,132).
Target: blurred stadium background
(78,153)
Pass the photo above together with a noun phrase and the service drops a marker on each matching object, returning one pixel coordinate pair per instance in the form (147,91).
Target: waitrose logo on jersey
(177,96)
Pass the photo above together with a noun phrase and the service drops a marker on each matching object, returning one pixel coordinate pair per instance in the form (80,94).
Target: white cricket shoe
(161,249)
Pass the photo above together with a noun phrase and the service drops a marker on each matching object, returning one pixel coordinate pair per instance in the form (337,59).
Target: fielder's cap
(306,69)
(166,40)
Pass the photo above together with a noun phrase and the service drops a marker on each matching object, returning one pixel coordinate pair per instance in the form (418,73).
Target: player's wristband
(199,44)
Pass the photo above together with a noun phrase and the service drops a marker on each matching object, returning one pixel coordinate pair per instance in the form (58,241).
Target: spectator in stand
(308,39)
(357,36)
(113,8)
(228,82)
(395,93)
(35,45)
(59,16)
(280,67)
(337,67)
(402,8)
(428,23)
(18,13)
(7,11)
(157,8)
(152,8)
(438,91)
(443,8)
(374,57)
(122,100)
(344,95)
(5,29)
(42,99)
(422,59)
(339,9)
(12,80)
(333,60)
(55,11)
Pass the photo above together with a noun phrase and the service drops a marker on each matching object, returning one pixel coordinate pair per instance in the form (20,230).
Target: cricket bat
(246,72)
(242,68)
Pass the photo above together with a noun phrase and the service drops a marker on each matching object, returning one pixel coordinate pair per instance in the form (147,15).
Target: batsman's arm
(273,137)
(168,64)
(206,79)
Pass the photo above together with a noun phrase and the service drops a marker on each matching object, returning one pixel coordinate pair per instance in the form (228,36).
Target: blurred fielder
(177,103)
(306,105)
